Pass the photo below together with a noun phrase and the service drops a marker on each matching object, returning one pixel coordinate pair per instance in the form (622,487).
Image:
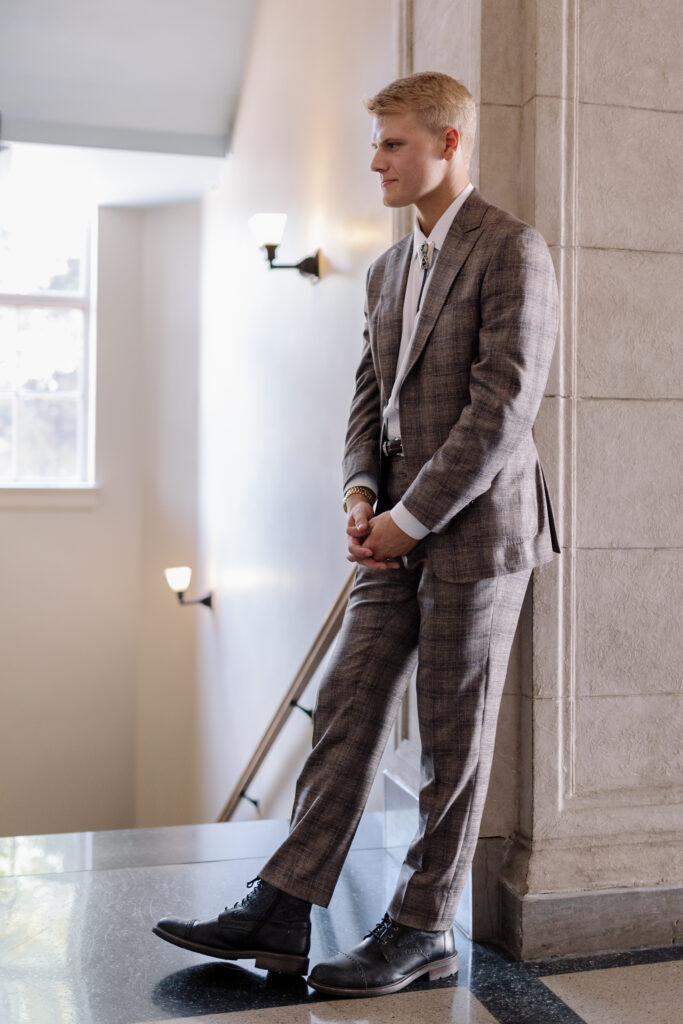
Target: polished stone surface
(95,851)
(76,946)
(442,1006)
(645,994)
(82,941)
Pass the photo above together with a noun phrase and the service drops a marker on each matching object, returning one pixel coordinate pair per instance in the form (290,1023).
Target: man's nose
(378,163)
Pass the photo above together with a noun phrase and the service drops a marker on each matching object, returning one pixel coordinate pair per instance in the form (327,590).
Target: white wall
(166,691)
(278,360)
(69,601)
(98,665)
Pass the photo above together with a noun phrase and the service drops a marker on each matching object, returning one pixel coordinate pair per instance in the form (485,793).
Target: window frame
(83,301)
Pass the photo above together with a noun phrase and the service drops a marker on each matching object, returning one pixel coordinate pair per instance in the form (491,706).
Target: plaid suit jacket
(475,378)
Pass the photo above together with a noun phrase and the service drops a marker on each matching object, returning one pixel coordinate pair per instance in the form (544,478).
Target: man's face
(408,158)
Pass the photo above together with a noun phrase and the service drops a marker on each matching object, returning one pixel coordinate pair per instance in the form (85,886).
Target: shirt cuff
(363,480)
(407,522)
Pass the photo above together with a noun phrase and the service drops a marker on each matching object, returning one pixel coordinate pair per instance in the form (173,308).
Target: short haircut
(438,100)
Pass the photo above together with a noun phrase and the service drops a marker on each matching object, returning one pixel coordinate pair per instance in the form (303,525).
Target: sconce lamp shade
(268,228)
(178,578)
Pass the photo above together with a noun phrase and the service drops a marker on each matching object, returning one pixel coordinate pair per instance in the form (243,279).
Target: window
(45,345)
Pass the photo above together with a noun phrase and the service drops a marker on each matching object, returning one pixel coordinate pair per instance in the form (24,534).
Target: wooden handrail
(316,653)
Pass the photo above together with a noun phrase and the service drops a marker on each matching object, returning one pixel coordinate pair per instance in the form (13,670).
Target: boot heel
(444,968)
(281,962)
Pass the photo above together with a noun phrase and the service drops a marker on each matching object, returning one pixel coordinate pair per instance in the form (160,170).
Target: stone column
(581,136)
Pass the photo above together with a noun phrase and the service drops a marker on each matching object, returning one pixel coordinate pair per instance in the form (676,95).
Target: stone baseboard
(535,926)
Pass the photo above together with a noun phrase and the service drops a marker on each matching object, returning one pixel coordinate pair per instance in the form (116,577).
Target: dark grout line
(603,961)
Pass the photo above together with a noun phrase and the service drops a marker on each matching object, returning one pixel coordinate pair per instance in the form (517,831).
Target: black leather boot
(390,957)
(268,926)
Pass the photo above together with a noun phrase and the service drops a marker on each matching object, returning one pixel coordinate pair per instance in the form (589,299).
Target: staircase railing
(316,653)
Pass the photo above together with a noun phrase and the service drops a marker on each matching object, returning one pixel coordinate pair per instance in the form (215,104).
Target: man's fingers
(357,552)
(371,563)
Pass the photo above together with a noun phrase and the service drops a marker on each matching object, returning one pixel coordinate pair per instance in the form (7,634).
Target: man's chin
(395,203)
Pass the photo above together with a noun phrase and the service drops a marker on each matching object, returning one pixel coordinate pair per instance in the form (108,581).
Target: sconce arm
(208,600)
(307,267)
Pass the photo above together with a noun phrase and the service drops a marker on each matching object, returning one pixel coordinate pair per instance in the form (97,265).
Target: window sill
(40,496)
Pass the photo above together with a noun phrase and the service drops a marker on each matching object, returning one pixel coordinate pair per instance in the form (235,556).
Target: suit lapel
(459,241)
(391,323)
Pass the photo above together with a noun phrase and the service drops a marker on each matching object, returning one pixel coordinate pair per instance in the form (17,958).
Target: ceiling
(136,97)
(157,75)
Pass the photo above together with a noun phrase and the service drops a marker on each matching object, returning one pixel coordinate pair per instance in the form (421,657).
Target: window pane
(39,255)
(8,347)
(5,438)
(50,350)
(48,439)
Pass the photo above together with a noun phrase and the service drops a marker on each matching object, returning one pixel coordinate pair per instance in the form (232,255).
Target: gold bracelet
(364,491)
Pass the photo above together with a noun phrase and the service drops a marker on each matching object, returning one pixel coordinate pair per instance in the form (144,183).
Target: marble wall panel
(552,612)
(630,312)
(628,473)
(549,763)
(558,367)
(605,767)
(630,187)
(500,812)
(547,206)
(446,38)
(628,743)
(501,175)
(521,162)
(608,860)
(629,639)
(525,816)
(630,53)
(514,66)
(551,434)
(502,36)
(571,803)
(549,33)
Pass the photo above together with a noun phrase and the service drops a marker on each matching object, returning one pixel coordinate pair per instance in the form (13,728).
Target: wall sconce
(178,579)
(268,229)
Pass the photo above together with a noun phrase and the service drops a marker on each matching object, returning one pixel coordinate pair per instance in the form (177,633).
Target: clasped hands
(375,541)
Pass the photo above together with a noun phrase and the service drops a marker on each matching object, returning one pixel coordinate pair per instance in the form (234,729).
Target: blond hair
(438,100)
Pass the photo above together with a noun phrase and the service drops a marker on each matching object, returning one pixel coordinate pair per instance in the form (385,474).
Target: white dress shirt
(401,516)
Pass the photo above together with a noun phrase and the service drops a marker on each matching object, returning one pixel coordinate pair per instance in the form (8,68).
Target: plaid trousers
(460,634)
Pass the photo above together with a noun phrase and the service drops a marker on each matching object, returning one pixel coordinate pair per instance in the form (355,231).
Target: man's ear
(451,143)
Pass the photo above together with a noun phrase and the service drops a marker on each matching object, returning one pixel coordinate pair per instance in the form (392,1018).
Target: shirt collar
(443,224)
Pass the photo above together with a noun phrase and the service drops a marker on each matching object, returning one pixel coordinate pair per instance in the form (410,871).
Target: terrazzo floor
(76,945)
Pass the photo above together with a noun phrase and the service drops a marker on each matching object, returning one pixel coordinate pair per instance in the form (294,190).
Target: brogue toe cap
(176,926)
(342,971)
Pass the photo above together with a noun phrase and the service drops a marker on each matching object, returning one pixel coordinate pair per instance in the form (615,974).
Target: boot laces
(244,902)
(382,929)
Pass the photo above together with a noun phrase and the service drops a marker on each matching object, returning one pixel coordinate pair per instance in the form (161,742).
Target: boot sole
(285,963)
(436,969)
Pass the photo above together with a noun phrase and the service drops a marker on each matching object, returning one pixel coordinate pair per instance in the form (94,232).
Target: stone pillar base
(535,926)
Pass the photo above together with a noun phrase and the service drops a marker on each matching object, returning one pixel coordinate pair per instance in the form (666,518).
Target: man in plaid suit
(448,513)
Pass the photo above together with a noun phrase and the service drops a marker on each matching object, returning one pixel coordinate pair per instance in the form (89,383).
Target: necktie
(425,255)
